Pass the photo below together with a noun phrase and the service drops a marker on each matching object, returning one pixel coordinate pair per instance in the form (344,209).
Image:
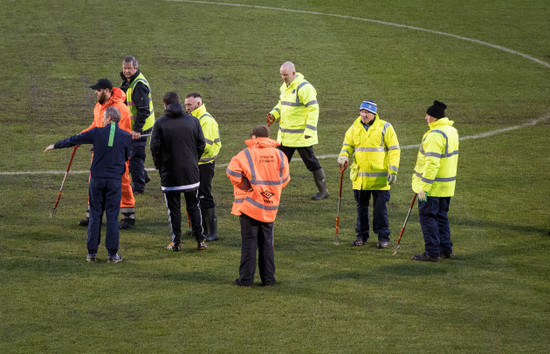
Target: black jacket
(176,145)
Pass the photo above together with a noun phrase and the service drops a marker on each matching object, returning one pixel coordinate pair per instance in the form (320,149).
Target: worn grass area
(492,298)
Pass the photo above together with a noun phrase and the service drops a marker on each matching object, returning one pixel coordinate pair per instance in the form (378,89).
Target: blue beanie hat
(369,106)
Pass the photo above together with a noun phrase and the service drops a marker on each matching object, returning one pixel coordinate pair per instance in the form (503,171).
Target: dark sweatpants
(435,225)
(104,196)
(380,222)
(256,235)
(173,203)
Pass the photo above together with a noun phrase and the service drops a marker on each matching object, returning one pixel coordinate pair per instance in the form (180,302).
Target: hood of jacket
(261,142)
(174,110)
(118,96)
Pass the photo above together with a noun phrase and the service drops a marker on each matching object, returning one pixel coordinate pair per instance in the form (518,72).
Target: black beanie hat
(437,110)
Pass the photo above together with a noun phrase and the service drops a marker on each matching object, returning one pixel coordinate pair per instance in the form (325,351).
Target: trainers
(91,258)
(126,224)
(84,222)
(424,257)
(202,244)
(114,258)
(174,247)
(382,244)
(358,242)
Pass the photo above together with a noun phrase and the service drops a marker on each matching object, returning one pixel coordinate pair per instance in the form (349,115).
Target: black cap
(437,110)
(102,84)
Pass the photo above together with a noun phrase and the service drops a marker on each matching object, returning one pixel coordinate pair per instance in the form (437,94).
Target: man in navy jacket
(111,151)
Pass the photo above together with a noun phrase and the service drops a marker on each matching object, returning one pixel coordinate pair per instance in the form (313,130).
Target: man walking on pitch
(108,96)
(298,114)
(376,151)
(138,99)
(210,129)
(258,174)
(434,180)
(111,150)
(177,143)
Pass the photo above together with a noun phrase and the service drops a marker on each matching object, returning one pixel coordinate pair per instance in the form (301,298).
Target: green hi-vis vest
(133,110)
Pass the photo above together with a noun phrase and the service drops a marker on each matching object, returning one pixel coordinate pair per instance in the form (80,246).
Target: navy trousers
(380,223)
(306,153)
(256,235)
(173,203)
(104,196)
(435,225)
(206,172)
(137,163)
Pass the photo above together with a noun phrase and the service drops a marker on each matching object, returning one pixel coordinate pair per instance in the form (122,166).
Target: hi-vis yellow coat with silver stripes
(376,154)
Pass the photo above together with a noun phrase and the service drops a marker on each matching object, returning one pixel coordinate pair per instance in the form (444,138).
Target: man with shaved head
(298,113)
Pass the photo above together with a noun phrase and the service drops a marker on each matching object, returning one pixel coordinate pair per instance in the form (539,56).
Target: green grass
(492,298)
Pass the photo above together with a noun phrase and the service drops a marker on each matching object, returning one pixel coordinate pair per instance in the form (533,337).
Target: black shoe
(268,285)
(424,257)
(126,224)
(238,283)
(358,242)
(84,222)
(448,255)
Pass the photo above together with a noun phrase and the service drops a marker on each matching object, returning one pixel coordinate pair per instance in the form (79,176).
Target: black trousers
(256,235)
(306,153)
(205,189)
(137,162)
(173,203)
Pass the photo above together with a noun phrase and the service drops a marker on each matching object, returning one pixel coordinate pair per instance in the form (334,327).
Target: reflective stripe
(301,85)
(277,110)
(181,188)
(238,201)
(282,165)
(393,168)
(254,181)
(205,115)
(259,205)
(365,149)
(345,144)
(293,104)
(344,151)
(311,103)
(372,174)
(207,159)
(233,173)
(292,130)
(394,147)
(209,142)
(311,127)
(437,179)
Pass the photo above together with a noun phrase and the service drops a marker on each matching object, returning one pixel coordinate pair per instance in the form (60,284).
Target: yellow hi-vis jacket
(376,153)
(298,113)
(437,160)
(149,121)
(211,133)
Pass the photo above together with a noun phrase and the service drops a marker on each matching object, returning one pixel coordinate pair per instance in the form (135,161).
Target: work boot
(128,220)
(85,221)
(211,222)
(320,182)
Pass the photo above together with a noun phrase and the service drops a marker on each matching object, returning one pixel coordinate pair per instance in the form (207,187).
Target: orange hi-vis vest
(258,173)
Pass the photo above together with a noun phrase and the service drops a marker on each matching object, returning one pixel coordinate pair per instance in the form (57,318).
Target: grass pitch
(492,298)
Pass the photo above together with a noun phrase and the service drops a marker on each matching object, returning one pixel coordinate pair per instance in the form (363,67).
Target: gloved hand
(392,178)
(270,119)
(422,196)
(342,161)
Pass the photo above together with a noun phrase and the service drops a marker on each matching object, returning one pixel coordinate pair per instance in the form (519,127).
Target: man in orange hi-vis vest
(258,173)
(108,96)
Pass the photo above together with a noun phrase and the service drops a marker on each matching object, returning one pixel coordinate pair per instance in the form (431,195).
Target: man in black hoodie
(177,142)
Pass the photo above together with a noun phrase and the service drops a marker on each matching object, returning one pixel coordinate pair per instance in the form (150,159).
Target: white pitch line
(477,41)
(405,147)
